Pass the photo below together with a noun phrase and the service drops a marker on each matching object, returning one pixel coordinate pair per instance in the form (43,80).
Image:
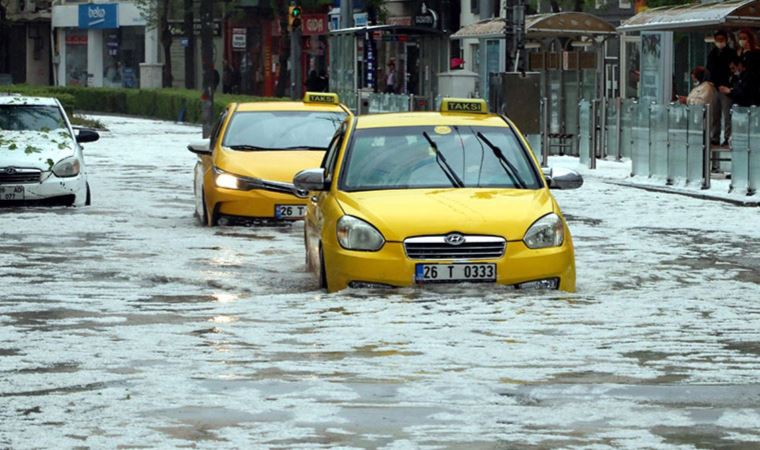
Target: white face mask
(742,43)
(720,45)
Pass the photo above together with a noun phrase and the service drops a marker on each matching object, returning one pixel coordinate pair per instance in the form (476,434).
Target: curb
(698,195)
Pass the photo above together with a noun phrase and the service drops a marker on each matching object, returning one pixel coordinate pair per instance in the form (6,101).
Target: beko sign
(98,15)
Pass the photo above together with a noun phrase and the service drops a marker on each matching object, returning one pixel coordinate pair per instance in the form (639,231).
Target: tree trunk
(166,43)
(207,61)
(190,49)
(283,81)
(578,5)
(555,6)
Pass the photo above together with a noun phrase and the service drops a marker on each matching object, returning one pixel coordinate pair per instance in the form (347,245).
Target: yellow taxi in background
(436,197)
(246,170)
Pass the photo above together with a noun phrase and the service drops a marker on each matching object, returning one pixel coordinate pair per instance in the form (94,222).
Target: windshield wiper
(245,147)
(301,147)
(439,158)
(509,168)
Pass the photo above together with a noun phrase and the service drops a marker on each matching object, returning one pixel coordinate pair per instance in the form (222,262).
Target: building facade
(25,43)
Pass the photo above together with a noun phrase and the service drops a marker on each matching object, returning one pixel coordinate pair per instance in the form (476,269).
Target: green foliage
(163,104)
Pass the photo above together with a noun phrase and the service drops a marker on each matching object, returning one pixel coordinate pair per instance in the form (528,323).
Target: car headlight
(67,167)
(356,234)
(226,180)
(547,231)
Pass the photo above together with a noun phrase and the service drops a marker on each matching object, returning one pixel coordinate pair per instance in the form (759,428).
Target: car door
(204,165)
(314,214)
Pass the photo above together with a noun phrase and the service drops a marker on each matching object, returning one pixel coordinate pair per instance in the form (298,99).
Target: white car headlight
(67,167)
(356,234)
(548,231)
(226,180)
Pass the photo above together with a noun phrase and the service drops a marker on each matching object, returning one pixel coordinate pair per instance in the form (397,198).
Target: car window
(328,163)
(217,126)
(282,130)
(31,118)
(404,158)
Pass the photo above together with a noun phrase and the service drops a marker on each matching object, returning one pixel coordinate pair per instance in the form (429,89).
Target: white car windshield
(31,118)
(437,157)
(282,130)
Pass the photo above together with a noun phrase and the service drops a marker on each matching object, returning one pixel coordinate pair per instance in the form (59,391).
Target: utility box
(518,96)
(458,83)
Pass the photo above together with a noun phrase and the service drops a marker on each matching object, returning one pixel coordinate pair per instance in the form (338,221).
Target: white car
(41,160)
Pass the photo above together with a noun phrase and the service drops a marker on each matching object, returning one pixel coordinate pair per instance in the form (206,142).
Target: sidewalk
(619,173)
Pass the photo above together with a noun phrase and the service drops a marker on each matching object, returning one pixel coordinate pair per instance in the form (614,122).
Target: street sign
(238,39)
(361,19)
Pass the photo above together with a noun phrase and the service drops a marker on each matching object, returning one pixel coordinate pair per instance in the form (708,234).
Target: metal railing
(745,149)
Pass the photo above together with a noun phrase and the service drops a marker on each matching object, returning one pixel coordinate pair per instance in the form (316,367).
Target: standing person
(704,92)
(719,73)
(749,53)
(312,82)
(742,92)
(227,77)
(390,79)
(324,82)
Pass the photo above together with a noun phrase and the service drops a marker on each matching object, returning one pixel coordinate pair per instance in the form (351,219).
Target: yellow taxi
(436,197)
(246,169)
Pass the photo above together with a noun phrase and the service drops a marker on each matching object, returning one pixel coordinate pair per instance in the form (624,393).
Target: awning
(562,24)
(730,14)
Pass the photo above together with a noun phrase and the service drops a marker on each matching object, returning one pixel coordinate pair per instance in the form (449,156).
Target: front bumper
(52,190)
(249,204)
(391,266)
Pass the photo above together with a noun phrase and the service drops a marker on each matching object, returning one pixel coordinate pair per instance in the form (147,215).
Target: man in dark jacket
(718,62)
(742,91)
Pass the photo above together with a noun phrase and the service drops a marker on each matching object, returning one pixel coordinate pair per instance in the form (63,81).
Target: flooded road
(127,324)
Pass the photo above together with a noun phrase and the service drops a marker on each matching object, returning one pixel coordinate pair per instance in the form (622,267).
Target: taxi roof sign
(321,97)
(464,105)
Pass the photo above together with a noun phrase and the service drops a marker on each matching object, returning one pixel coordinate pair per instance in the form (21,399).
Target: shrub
(166,104)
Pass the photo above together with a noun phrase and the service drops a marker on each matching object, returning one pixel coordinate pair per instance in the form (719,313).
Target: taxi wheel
(307,258)
(207,219)
(322,270)
(88,199)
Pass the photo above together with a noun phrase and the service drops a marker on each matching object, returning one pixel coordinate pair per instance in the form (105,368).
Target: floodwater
(126,324)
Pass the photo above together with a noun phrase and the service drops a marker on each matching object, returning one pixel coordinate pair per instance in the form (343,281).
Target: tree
(156,14)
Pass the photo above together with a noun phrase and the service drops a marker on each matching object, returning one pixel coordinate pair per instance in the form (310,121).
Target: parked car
(436,197)
(41,160)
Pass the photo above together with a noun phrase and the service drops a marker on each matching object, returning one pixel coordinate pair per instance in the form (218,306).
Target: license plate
(454,272)
(12,193)
(289,211)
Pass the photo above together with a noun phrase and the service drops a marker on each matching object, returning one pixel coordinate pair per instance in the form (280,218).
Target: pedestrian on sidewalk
(749,53)
(742,90)
(719,73)
(704,92)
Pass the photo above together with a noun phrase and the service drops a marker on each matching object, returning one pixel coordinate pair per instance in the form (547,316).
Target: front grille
(9,175)
(471,247)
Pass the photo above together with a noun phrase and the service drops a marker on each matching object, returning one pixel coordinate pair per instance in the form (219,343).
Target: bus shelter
(565,57)
(361,59)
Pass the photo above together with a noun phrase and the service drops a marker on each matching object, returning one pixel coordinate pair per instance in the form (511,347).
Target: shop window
(123,50)
(76,57)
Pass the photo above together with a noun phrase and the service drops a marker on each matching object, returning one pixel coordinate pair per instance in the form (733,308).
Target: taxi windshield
(437,157)
(30,118)
(282,130)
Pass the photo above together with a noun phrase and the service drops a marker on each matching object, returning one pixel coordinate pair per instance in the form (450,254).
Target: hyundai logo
(10,170)
(454,239)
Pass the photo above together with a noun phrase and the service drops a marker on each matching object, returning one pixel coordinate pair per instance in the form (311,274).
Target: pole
(706,148)
(190,49)
(346,13)
(296,84)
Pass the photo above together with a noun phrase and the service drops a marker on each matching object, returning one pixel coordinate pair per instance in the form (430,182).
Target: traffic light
(294,17)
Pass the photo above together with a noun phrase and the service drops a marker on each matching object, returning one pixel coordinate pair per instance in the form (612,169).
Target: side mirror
(86,135)
(200,148)
(563,178)
(310,180)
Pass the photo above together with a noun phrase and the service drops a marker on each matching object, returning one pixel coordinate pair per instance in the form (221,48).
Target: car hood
(278,165)
(35,149)
(399,214)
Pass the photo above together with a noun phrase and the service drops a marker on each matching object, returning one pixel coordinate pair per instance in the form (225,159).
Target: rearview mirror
(310,180)
(200,148)
(563,179)
(86,135)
